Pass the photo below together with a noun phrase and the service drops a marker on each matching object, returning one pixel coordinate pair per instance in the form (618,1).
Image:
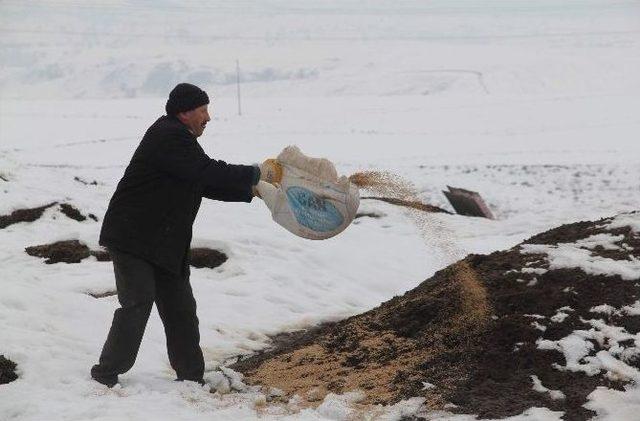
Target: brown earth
(33,214)
(7,370)
(391,188)
(69,251)
(467,330)
(24,215)
(414,204)
(201,257)
(73,251)
(73,213)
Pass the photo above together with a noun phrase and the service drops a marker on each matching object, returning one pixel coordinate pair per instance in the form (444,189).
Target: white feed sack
(311,201)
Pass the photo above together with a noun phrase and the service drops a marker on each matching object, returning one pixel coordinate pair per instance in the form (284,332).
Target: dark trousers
(139,284)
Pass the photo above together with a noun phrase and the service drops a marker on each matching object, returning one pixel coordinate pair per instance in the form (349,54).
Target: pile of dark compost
(467,336)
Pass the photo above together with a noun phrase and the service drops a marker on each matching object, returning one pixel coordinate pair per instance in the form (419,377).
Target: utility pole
(238,83)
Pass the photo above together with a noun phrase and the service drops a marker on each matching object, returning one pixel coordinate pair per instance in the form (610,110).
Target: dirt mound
(33,214)
(201,257)
(73,251)
(69,251)
(73,213)
(24,215)
(7,370)
(479,334)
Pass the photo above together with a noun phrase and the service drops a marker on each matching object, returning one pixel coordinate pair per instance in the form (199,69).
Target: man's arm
(179,155)
(228,195)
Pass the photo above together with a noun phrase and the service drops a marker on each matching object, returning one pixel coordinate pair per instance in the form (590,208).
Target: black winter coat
(152,211)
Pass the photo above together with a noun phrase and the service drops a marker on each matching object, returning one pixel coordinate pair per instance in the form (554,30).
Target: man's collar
(175,118)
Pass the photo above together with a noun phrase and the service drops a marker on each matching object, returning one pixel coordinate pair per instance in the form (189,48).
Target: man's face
(196,119)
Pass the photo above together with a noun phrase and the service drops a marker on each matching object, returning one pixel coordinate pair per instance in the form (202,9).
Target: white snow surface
(533,104)
(539,387)
(573,255)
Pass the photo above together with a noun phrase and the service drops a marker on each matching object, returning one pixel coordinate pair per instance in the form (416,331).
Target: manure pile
(542,324)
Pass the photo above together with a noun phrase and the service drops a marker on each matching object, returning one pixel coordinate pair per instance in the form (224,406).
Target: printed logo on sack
(312,211)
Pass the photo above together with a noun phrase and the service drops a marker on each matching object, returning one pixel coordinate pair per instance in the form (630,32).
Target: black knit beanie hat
(185,97)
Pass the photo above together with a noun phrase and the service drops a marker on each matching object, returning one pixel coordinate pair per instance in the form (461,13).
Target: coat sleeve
(179,154)
(228,195)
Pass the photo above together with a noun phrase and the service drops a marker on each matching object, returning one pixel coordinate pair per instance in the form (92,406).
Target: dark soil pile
(33,214)
(7,370)
(73,251)
(470,331)
(23,215)
(69,251)
(201,257)
(73,213)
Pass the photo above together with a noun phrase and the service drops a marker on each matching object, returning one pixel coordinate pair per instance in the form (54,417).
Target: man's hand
(271,171)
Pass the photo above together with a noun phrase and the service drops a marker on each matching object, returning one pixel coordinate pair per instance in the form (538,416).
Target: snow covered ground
(533,104)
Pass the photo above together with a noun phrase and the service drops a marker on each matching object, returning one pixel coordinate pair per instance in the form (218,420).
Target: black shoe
(108,381)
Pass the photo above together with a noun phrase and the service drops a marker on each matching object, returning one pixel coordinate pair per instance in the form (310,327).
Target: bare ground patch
(33,214)
(24,215)
(72,212)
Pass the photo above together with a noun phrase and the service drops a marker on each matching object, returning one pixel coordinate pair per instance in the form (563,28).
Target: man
(147,230)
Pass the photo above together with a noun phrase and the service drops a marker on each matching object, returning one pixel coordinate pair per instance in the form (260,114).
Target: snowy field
(533,104)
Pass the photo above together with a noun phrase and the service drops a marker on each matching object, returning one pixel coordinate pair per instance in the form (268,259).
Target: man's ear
(180,116)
